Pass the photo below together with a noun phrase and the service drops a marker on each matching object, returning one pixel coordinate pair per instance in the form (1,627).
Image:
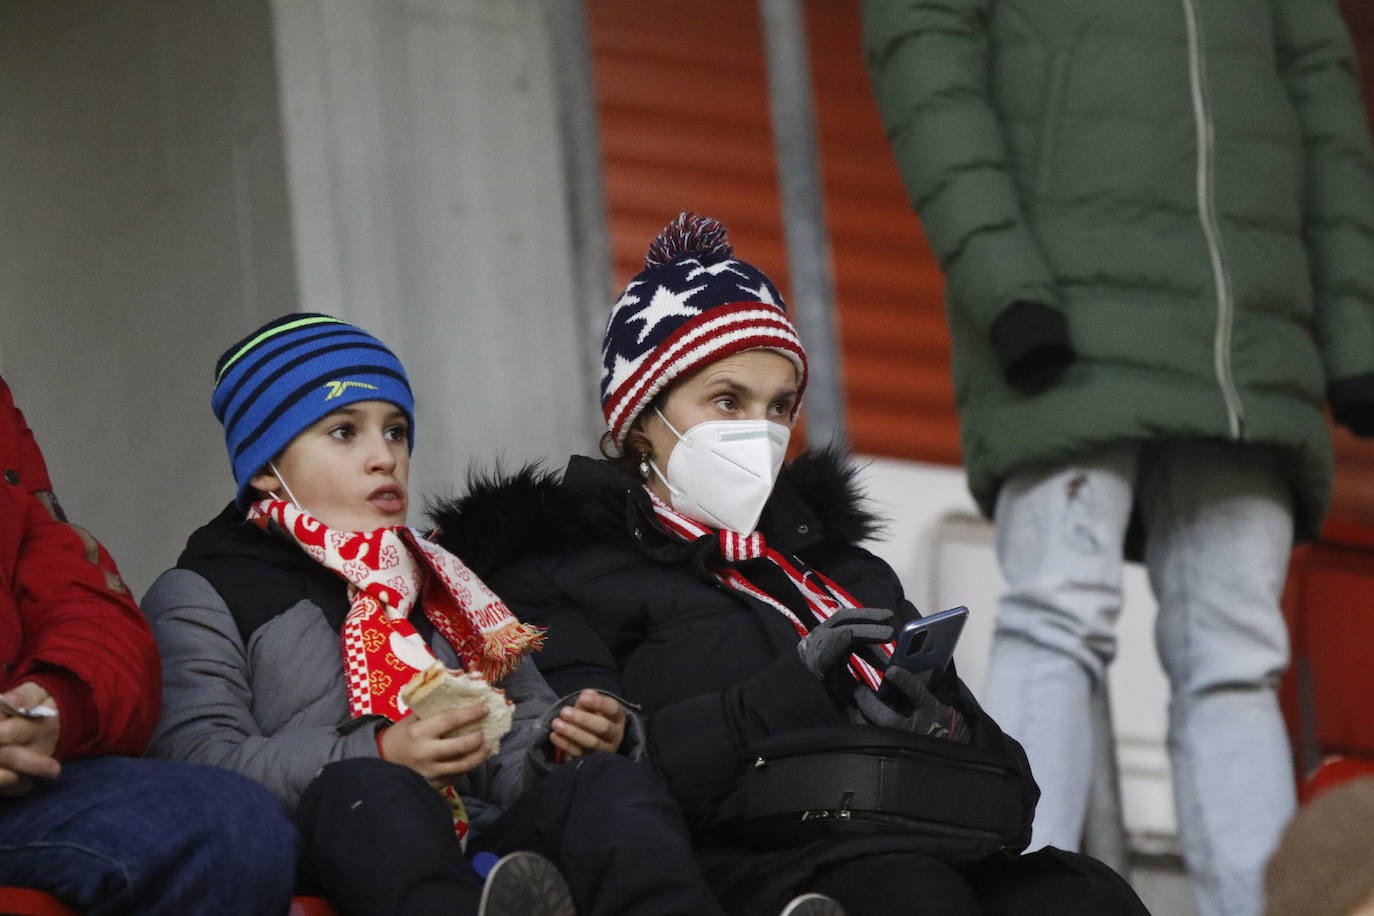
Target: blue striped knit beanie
(290,372)
(693,303)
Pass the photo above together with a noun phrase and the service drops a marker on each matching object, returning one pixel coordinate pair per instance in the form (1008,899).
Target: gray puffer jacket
(260,688)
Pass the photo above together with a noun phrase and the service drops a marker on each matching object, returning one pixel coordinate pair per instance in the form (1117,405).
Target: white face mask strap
(291,496)
(672,490)
(670,426)
(653,465)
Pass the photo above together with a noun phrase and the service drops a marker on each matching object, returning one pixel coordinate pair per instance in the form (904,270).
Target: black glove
(1032,343)
(832,641)
(1352,403)
(926,715)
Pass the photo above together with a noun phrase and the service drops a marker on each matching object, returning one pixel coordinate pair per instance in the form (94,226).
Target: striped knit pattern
(822,594)
(693,304)
(289,373)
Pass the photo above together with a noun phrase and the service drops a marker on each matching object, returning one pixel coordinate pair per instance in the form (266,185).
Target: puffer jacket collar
(230,534)
(259,574)
(816,501)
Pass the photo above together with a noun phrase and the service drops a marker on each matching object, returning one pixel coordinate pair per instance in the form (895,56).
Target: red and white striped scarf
(823,595)
(387,571)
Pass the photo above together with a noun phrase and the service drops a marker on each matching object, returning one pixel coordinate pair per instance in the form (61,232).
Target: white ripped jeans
(1219,529)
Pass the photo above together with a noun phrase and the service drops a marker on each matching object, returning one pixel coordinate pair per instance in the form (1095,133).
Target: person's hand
(594,723)
(1352,403)
(27,745)
(833,640)
(424,745)
(1040,368)
(1031,341)
(924,715)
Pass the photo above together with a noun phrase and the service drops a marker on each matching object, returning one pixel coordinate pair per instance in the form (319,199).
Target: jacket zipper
(1206,201)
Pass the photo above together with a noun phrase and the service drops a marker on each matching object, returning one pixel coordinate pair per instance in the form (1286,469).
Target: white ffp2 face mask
(722,471)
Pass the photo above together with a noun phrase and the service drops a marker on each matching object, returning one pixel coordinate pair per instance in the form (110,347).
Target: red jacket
(67,620)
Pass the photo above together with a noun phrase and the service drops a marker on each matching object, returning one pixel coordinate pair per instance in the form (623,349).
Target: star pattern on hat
(763,293)
(617,371)
(626,299)
(714,270)
(665,304)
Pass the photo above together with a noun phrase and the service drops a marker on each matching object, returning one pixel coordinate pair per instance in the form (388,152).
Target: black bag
(961,800)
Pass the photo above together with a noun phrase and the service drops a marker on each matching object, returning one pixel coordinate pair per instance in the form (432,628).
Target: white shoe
(812,905)
(526,884)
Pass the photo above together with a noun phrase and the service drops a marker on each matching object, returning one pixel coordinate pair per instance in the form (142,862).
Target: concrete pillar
(428,204)
(172,174)
(145,226)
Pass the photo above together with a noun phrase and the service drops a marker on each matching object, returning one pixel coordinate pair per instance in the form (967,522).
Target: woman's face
(753,385)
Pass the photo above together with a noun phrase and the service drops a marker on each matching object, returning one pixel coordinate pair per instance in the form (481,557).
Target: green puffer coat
(1189,183)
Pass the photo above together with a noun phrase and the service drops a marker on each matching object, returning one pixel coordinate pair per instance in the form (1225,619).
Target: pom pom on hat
(691,305)
(699,236)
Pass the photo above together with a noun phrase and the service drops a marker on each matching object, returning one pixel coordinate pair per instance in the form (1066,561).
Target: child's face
(349,469)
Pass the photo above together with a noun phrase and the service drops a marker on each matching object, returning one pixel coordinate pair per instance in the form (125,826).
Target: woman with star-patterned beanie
(725,592)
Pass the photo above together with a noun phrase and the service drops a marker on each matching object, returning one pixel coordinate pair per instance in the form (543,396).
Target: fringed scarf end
(503,649)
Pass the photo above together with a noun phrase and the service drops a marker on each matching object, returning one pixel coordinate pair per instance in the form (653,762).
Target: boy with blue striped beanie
(288,374)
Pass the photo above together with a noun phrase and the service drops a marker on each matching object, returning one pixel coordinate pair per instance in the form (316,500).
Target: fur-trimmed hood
(502,517)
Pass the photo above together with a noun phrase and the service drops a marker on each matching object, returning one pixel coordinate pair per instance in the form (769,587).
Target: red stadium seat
(1328,692)
(1334,771)
(21,901)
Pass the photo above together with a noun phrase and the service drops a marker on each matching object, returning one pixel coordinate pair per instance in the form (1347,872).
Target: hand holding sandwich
(456,721)
(27,742)
(425,746)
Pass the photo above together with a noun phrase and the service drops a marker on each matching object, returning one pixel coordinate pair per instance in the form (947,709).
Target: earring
(644,465)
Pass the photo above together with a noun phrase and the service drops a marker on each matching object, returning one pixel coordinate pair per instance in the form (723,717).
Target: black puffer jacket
(632,610)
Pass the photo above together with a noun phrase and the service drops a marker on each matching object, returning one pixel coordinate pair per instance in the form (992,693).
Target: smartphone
(926,644)
(26,712)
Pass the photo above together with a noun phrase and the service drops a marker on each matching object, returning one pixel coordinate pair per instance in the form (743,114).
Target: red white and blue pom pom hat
(691,305)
